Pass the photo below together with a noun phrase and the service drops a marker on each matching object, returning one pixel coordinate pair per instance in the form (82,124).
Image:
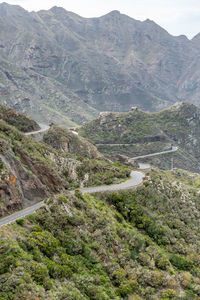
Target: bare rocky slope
(60,67)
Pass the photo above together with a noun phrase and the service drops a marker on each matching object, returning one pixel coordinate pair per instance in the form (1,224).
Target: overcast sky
(176,16)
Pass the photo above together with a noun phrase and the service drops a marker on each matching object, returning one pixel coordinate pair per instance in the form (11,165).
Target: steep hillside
(30,171)
(18,120)
(142,244)
(69,141)
(138,133)
(45,99)
(62,68)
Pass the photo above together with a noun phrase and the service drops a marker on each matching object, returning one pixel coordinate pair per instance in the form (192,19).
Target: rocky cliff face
(61,67)
(19,187)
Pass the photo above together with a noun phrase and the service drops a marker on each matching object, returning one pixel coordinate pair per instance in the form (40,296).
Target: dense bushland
(140,244)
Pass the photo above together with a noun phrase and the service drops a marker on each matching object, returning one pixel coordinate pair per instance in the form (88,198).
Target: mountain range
(62,68)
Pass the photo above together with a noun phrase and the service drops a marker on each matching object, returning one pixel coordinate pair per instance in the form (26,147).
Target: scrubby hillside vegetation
(137,133)
(142,244)
(18,120)
(136,244)
(30,171)
(69,141)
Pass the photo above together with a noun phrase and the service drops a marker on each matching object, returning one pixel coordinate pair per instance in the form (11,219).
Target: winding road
(43,128)
(20,214)
(174,149)
(136,178)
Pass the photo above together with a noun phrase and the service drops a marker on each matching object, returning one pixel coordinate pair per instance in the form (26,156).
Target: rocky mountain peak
(58,9)
(183,37)
(10,10)
(149,21)
(114,13)
(110,63)
(196,40)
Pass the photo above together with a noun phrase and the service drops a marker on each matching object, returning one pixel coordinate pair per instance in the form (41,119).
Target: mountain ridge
(137,133)
(108,63)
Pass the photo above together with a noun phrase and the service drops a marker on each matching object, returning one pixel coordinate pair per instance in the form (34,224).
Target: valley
(132,238)
(99,158)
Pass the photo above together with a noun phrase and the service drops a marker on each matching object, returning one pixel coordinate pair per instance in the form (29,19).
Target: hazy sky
(176,16)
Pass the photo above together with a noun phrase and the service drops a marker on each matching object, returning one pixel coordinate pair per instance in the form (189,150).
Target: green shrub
(119,277)
(72,245)
(162,263)
(20,222)
(78,194)
(39,272)
(1,164)
(62,199)
(46,242)
(168,294)
(6,263)
(58,271)
(180,262)
(157,233)
(125,289)
(3,297)
(31,218)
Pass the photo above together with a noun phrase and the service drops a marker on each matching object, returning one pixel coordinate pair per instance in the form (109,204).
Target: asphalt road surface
(43,128)
(135,179)
(144,166)
(174,149)
(20,214)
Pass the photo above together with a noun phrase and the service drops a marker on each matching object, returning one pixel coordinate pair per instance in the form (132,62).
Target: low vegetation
(139,133)
(32,170)
(141,244)
(68,141)
(18,120)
